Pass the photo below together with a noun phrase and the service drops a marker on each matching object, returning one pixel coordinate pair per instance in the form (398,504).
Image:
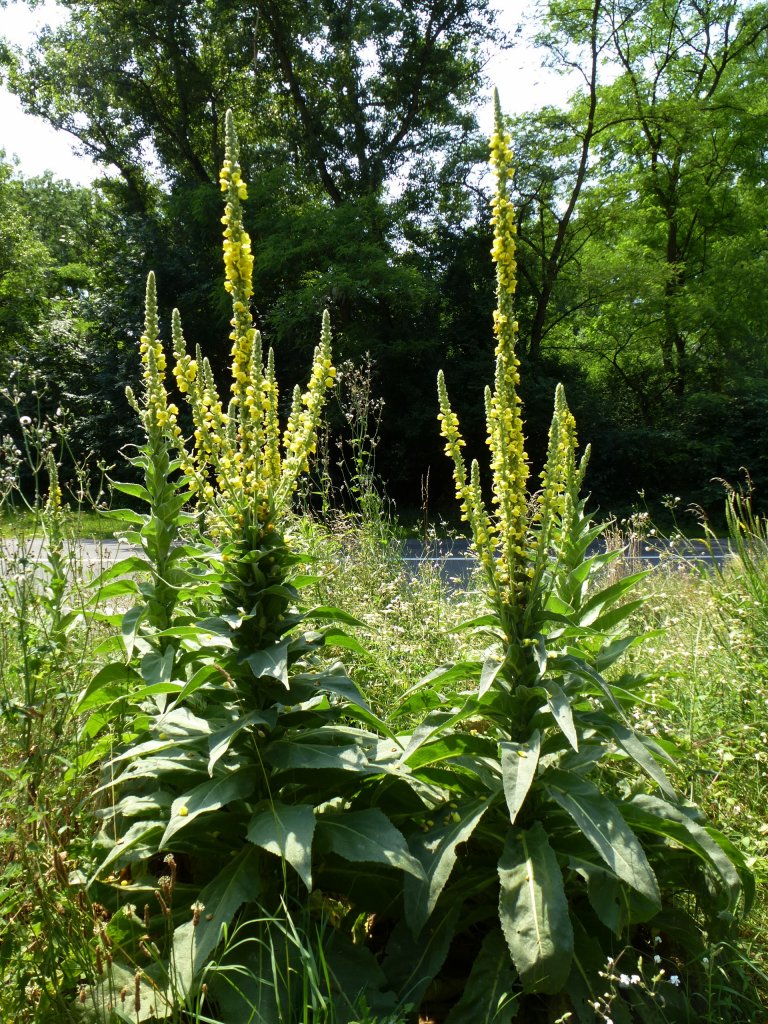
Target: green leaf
(449,746)
(124,515)
(334,637)
(334,614)
(489,619)
(304,580)
(116,676)
(220,741)
(200,678)
(610,620)
(271,661)
(518,770)
(560,706)
(672,822)
(491,995)
(287,832)
(237,883)
(410,964)
(592,608)
(491,668)
(617,648)
(118,588)
(533,910)
(601,823)
(134,490)
(208,796)
(368,836)
(425,693)
(124,567)
(156,1003)
(285,755)
(635,746)
(130,625)
(158,668)
(436,852)
(137,835)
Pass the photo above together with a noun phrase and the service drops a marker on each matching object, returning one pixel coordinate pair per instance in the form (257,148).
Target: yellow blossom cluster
(561,479)
(158,415)
(243,471)
(53,504)
(501,539)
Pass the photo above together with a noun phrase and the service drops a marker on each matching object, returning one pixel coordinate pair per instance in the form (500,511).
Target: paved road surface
(452,557)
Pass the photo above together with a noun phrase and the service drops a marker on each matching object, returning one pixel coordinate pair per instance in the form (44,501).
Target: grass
(81,524)
(707,694)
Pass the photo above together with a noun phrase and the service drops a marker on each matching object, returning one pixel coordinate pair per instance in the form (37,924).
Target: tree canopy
(640,206)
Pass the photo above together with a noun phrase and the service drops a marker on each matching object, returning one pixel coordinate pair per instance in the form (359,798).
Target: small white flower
(657,938)
(25,421)
(634,979)
(624,980)
(656,958)
(705,961)
(674,980)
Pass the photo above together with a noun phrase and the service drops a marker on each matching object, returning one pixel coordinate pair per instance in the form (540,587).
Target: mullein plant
(562,843)
(242,755)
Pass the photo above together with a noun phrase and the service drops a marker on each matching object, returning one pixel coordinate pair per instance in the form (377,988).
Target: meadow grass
(83,524)
(707,694)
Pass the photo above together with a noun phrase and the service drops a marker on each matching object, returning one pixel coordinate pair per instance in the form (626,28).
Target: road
(453,558)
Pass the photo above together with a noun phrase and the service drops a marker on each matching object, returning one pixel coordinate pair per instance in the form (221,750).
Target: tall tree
(357,134)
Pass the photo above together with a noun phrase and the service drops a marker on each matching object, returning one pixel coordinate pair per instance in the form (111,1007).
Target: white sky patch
(37,146)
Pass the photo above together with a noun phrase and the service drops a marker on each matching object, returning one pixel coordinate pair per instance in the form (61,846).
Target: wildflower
(674,980)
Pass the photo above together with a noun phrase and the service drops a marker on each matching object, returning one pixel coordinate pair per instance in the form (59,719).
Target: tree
(357,133)
(635,254)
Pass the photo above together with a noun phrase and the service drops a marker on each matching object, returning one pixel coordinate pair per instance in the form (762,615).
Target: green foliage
(594,849)
(46,644)
(240,750)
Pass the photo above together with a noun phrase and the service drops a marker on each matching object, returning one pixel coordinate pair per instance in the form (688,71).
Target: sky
(522,83)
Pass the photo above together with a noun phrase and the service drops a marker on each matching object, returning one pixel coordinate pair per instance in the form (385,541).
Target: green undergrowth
(707,692)
(257,770)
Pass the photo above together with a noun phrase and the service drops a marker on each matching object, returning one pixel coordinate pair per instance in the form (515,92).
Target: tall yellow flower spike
(236,465)
(158,416)
(501,537)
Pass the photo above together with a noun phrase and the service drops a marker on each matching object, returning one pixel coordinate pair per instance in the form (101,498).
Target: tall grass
(707,691)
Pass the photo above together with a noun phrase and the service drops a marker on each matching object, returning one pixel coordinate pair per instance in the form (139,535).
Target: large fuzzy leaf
(411,964)
(592,608)
(156,1002)
(600,821)
(138,835)
(436,851)
(285,755)
(220,741)
(639,749)
(208,796)
(533,910)
(271,661)
(560,706)
(287,831)
(518,770)
(672,822)
(357,976)
(366,835)
(491,995)
(237,883)
(112,682)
